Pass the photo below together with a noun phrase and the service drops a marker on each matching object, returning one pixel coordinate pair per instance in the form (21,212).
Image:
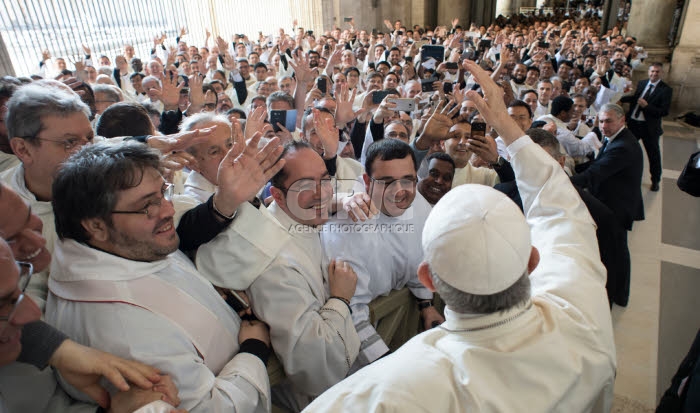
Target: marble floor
(654,332)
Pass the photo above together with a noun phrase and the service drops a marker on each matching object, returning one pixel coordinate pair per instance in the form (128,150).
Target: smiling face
(307,191)
(439,180)
(22,230)
(394,182)
(19,312)
(139,237)
(456,144)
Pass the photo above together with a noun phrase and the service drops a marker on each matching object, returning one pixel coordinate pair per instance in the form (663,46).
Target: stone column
(6,67)
(650,22)
(505,7)
(449,9)
(684,75)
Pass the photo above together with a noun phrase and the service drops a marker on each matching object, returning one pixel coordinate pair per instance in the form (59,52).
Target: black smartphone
(309,32)
(374,32)
(321,84)
(277,116)
(509,47)
(241,35)
(347,19)
(287,118)
(543,45)
(426,85)
(436,52)
(451,65)
(379,95)
(447,87)
(478,129)
(400,32)
(605,52)
(485,44)
(370,65)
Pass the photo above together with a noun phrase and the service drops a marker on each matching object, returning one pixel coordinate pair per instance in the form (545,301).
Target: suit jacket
(612,241)
(658,104)
(615,178)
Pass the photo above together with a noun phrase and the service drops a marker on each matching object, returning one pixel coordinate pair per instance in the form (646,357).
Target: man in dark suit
(650,103)
(612,237)
(615,176)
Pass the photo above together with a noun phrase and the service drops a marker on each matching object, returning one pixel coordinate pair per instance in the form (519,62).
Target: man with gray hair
(45,125)
(153,88)
(615,176)
(106,96)
(512,309)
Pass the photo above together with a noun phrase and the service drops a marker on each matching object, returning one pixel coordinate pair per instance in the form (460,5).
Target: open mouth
(165,228)
(32,255)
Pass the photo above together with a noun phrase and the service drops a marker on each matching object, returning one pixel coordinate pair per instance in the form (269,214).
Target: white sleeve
(572,145)
(564,233)
(238,254)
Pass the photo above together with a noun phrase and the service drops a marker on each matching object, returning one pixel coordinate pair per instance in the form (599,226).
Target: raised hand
(485,147)
(222,45)
(196,93)
(492,106)
(229,62)
(170,93)
(438,125)
(324,124)
(86,49)
(179,141)
(245,170)
(300,64)
(255,122)
(343,112)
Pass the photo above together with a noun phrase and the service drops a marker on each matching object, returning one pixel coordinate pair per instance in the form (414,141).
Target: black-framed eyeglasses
(26,270)
(402,182)
(152,208)
(68,144)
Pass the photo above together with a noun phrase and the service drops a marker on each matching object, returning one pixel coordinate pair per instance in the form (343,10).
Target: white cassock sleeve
(316,342)
(238,254)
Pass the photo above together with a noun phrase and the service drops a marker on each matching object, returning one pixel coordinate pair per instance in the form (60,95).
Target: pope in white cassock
(118,282)
(384,251)
(528,324)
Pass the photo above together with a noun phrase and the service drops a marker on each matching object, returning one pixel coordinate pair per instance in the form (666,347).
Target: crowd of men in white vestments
(169,222)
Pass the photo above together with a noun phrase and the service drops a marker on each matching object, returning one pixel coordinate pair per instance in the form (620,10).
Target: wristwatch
(499,163)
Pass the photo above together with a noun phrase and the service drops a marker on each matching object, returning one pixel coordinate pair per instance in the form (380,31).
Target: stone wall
(684,74)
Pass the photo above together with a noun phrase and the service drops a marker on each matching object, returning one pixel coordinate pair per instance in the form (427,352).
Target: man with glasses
(384,251)
(45,125)
(119,282)
(28,346)
(311,329)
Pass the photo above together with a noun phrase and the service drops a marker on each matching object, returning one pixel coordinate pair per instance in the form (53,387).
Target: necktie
(605,144)
(645,97)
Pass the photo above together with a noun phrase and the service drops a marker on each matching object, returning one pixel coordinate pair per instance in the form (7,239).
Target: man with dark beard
(517,79)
